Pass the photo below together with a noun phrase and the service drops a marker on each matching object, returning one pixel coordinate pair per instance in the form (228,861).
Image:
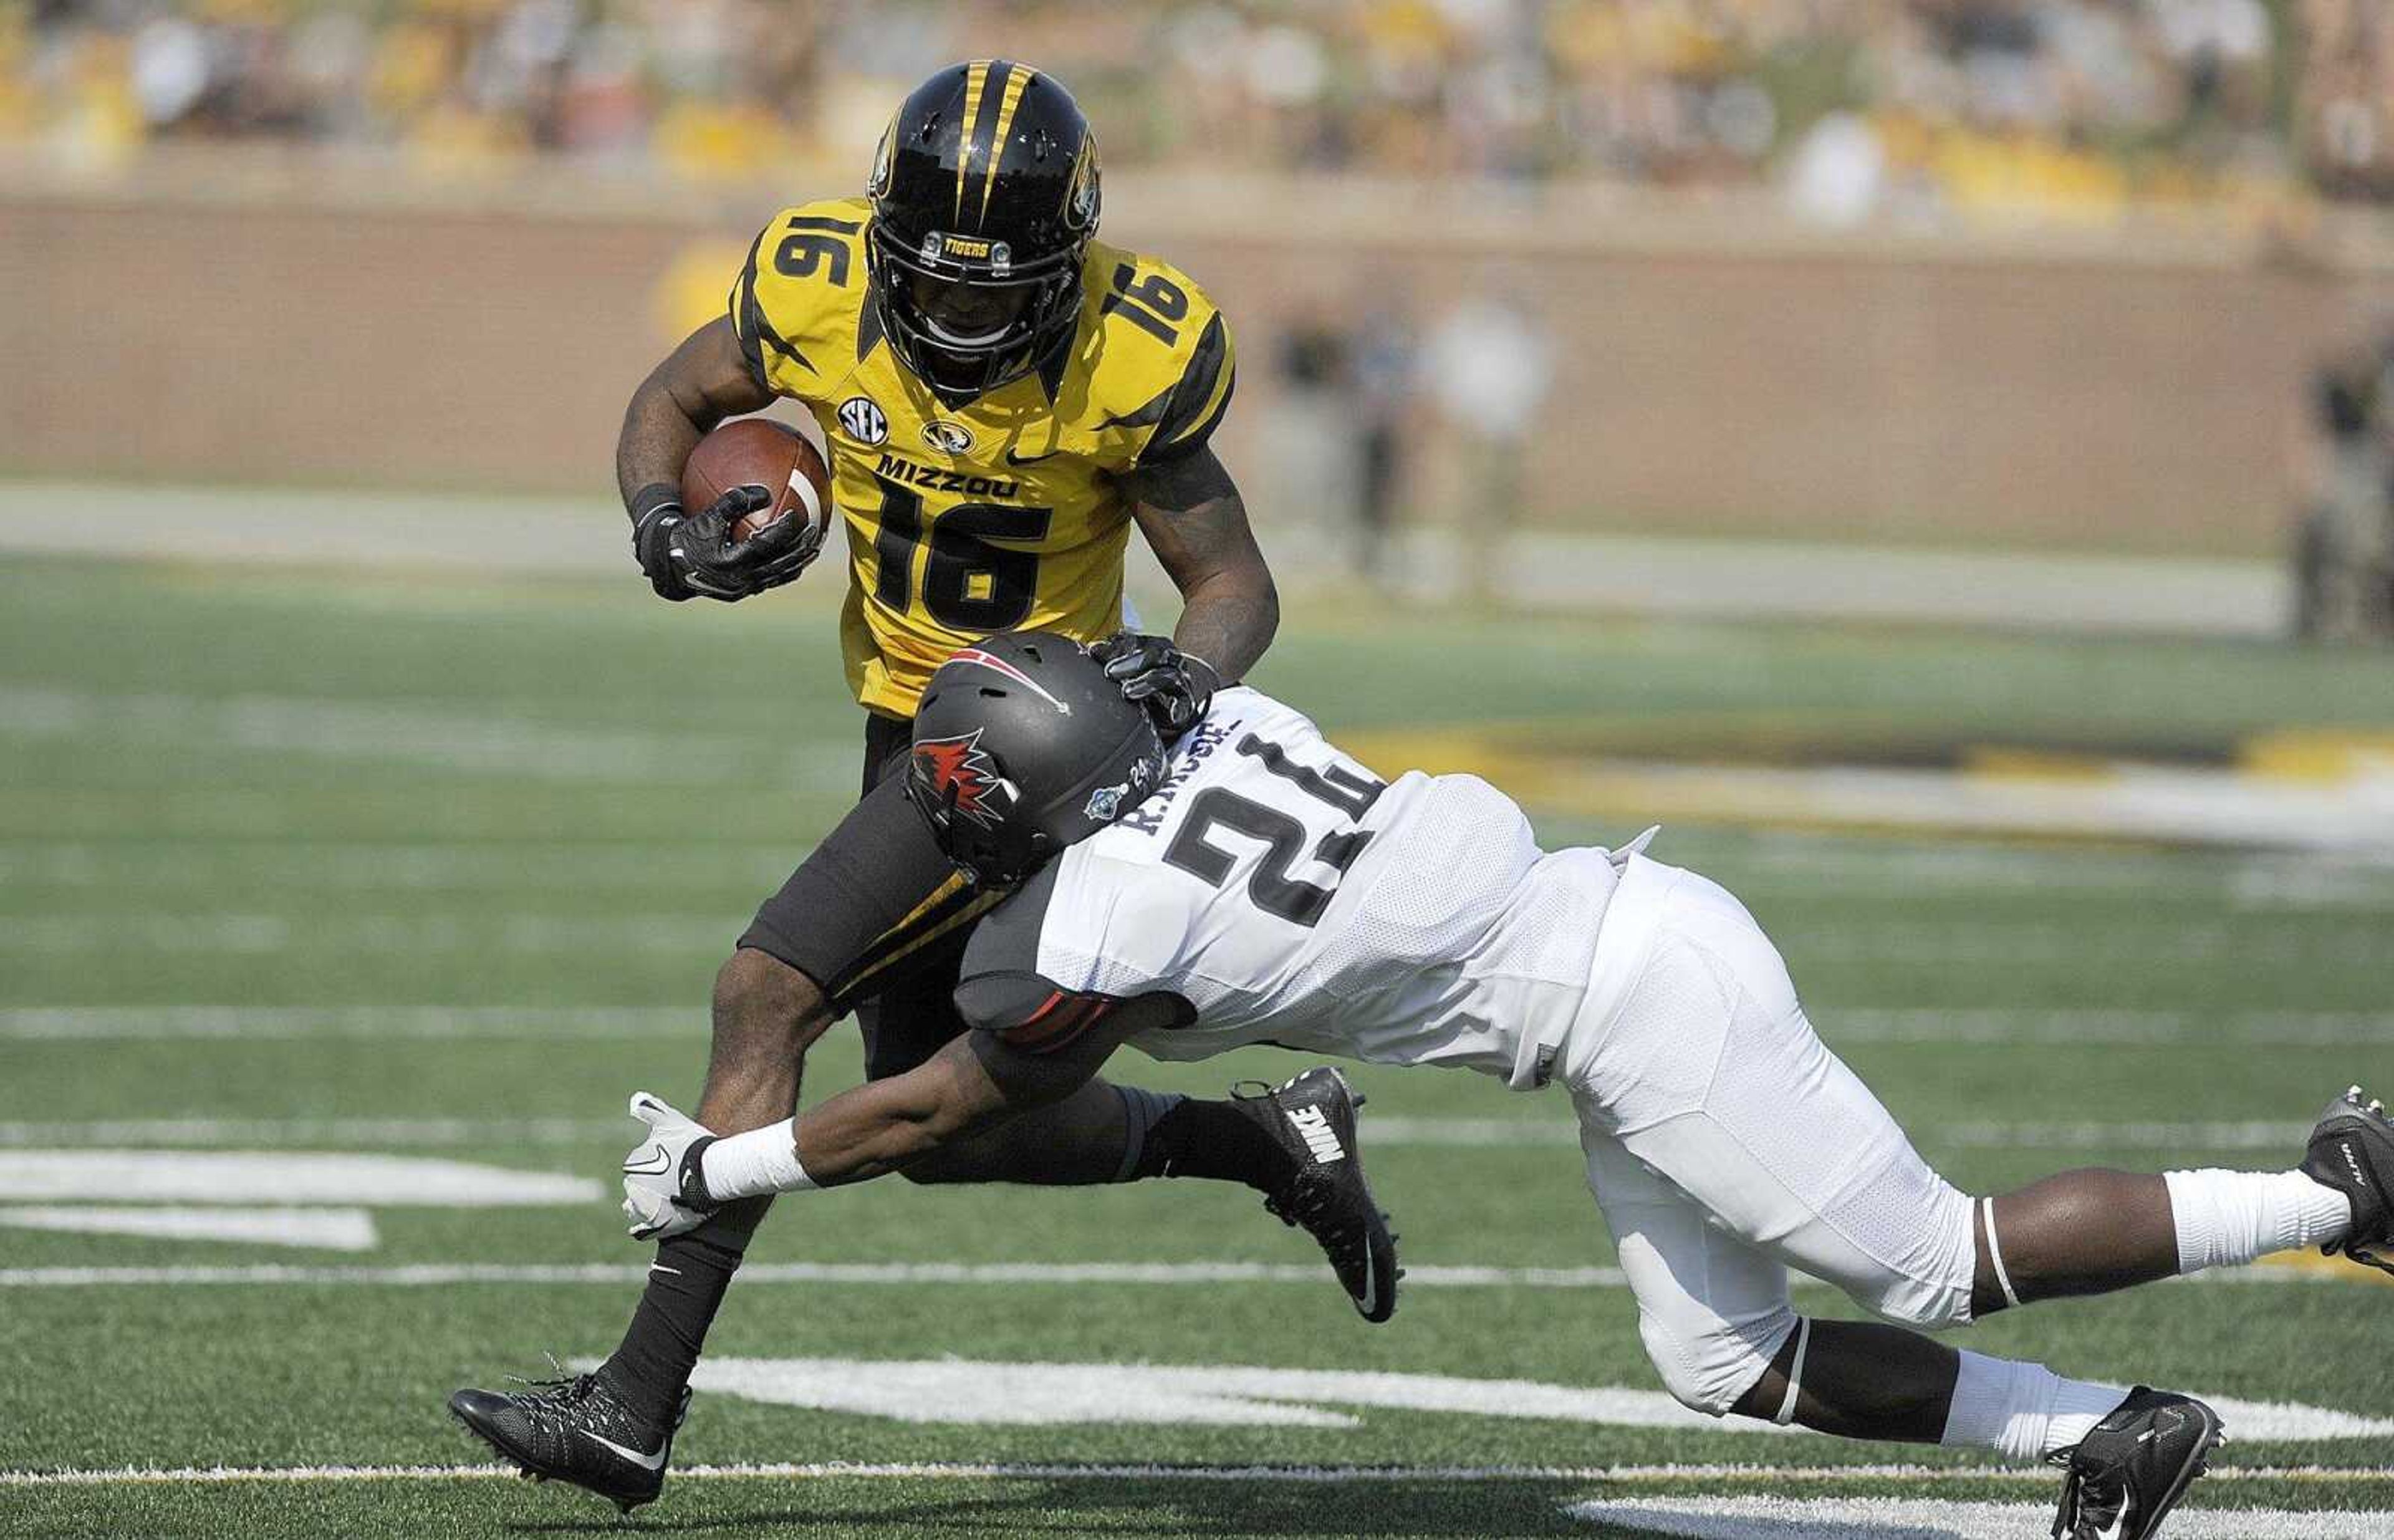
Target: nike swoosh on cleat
(664,1162)
(1371,1284)
(646,1462)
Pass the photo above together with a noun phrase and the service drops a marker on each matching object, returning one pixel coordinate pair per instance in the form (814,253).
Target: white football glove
(664,1193)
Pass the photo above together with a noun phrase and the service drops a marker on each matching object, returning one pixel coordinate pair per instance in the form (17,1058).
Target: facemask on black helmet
(984,196)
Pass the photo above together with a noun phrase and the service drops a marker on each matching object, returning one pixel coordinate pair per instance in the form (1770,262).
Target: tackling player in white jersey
(1249,883)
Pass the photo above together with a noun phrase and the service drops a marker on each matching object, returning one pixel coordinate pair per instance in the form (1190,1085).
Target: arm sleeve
(1028,1011)
(1000,987)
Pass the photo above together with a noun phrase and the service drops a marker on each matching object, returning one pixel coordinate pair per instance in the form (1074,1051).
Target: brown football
(759,452)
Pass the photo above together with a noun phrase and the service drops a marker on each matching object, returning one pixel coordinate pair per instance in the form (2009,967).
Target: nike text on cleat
(2126,1475)
(574,1429)
(2352,1151)
(1312,1117)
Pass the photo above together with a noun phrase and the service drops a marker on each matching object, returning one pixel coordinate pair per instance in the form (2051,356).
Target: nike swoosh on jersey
(1014,459)
(646,1462)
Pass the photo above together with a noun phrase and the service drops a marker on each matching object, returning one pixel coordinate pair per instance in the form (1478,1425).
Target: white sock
(2022,1411)
(2226,1219)
(749,1164)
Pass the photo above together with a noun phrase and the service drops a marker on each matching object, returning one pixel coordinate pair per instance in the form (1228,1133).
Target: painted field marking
(2129,939)
(283,1023)
(1910,1025)
(249,1177)
(1022,1394)
(1754,1518)
(406,733)
(2063,1027)
(445,1274)
(260,934)
(318,1228)
(393,867)
(2292,1268)
(1530,1132)
(1391,1131)
(1299,1475)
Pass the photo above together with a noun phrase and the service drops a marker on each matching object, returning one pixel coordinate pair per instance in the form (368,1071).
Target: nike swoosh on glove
(664,1192)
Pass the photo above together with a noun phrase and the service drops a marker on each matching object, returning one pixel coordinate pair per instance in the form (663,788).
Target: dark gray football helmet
(1022,745)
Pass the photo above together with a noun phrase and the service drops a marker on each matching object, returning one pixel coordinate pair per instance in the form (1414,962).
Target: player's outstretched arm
(976,1083)
(1190,512)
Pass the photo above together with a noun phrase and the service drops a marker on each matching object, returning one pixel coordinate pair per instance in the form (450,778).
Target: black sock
(685,1289)
(1221,1139)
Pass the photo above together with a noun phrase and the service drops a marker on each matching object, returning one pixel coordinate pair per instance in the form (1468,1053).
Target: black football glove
(1176,687)
(688,555)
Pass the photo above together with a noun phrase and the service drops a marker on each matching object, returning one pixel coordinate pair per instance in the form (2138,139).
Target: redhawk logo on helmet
(956,775)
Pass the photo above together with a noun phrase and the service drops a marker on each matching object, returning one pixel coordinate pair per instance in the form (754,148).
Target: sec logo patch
(948,438)
(864,421)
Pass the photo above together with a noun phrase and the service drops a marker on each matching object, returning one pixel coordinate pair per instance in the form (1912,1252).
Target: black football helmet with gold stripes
(984,196)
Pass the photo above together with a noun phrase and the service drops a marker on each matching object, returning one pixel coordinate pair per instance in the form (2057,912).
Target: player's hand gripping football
(665,1192)
(686,556)
(1174,686)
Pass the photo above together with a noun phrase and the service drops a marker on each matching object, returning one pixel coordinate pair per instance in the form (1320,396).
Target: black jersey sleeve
(1001,989)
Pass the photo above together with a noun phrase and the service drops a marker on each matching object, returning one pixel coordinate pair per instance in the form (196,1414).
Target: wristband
(751,1164)
(650,499)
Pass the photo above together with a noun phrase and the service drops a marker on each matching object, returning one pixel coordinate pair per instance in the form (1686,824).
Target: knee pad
(1710,1370)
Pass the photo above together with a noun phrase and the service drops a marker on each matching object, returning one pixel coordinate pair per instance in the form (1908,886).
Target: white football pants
(1726,1144)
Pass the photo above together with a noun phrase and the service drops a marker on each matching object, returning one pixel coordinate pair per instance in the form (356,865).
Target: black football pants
(877,916)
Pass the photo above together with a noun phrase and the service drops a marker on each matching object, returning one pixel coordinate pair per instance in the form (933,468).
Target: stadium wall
(1712,377)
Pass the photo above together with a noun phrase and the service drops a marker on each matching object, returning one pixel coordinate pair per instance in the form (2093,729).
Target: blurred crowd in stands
(1851,106)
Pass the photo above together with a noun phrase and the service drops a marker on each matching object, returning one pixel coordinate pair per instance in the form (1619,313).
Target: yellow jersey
(1005,512)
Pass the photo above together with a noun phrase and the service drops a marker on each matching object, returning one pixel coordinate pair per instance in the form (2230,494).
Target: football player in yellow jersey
(1004,396)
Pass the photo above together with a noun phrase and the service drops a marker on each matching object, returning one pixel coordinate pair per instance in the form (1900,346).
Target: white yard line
(1778,1518)
(2008,1026)
(401,866)
(257,934)
(2022,1027)
(2301,938)
(977,1274)
(446,1274)
(278,1024)
(1646,1475)
(437,735)
(1389,1131)
(1523,1133)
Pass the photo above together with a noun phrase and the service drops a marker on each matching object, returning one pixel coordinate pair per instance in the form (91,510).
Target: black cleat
(2125,1476)
(574,1429)
(2352,1151)
(1314,1118)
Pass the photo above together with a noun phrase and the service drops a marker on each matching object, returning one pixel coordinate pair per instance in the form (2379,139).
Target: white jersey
(1288,896)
